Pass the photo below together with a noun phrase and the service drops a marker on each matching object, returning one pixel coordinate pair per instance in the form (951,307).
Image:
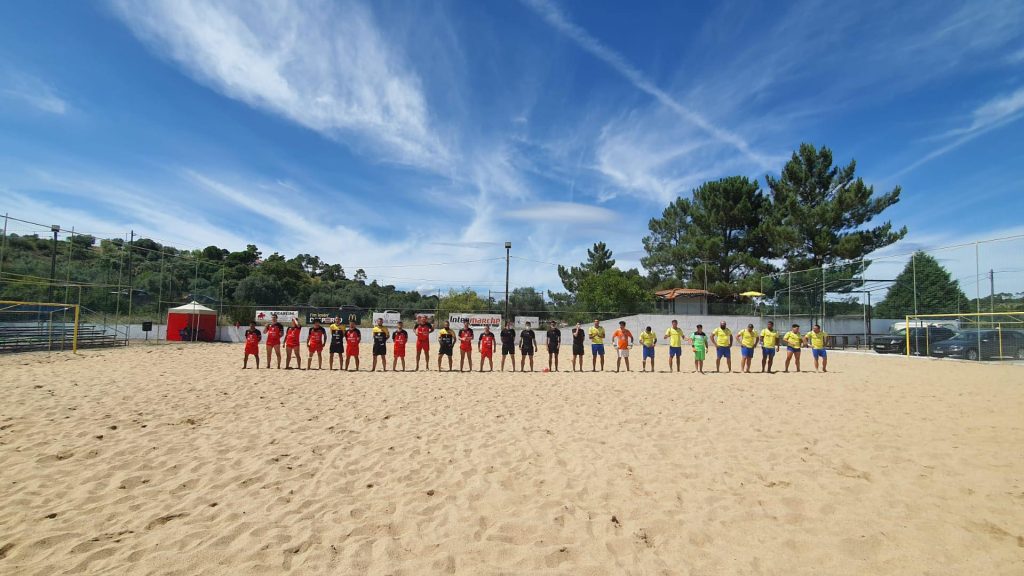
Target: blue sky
(385,134)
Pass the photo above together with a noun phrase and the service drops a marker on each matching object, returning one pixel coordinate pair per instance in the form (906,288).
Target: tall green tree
(466,300)
(936,290)
(613,293)
(526,301)
(599,259)
(822,212)
(718,234)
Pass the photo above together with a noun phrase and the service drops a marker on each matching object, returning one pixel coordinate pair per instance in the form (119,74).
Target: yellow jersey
(770,338)
(722,336)
(675,337)
(596,335)
(748,338)
(648,338)
(792,339)
(379,329)
(817,339)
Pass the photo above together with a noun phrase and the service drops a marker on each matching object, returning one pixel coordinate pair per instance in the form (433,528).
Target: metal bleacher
(55,337)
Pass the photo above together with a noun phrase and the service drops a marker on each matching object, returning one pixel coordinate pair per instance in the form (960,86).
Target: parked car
(993,344)
(921,340)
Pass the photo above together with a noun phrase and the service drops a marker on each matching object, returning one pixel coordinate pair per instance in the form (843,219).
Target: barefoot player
(380,345)
(793,342)
(554,340)
(252,345)
(623,340)
(337,346)
(578,334)
(352,339)
(508,345)
(315,341)
(423,330)
(527,346)
(699,340)
(596,334)
(486,346)
(675,344)
(769,346)
(400,337)
(722,338)
(465,346)
(291,344)
(748,341)
(647,341)
(816,339)
(274,331)
(445,345)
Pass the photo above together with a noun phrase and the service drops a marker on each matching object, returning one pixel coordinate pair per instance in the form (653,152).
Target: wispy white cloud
(997,112)
(555,18)
(562,212)
(323,65)
(31,91)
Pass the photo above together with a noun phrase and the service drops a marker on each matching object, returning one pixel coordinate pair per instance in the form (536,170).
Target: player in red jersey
(352,339)
(274,331)
(291,344)
(486,346)
(252,345)
(423,330)
(465,346)
(315,341)
(400,337)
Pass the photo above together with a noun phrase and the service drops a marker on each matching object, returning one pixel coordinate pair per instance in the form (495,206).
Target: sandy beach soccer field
(169,459)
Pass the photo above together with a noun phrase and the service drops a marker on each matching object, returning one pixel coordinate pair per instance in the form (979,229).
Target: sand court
(169,459)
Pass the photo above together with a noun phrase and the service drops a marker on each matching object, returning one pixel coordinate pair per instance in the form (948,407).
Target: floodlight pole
(55,228)
(508,252)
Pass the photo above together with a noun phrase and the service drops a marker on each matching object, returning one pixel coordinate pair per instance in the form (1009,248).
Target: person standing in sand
(577,346)
(423,330)
(675,344)
(748,341)
(380,345)
(623,340)
(508,345)
(445,345)
(554,340)
(315,342)
(816,339)
(400,337)
(352,339)
(793,342)
(596,334)
(769,346)
(252,345)
(486,347)
(337,345)
(647,341)
(699,340)
(291,344)
(722,338)
(527,346)
(465,346)
(274,331)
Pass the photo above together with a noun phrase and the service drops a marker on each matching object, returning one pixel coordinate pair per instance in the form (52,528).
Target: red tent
(192,322)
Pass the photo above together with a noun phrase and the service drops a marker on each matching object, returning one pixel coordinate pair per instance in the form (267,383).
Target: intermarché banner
(457,318)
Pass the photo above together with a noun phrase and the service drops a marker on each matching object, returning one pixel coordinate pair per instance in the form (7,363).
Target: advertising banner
(283,316)
(522,320)
(475,319)
(391,318)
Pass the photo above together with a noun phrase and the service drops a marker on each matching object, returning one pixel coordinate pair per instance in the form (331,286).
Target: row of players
(344,342)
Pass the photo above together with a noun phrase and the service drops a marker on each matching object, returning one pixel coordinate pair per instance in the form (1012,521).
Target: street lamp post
(53,262)
(508,252)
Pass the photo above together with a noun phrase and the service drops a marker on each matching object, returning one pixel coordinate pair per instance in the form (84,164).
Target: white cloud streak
(562,212)
(33,92)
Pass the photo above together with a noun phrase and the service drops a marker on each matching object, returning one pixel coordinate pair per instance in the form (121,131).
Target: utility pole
(128,326)
(992,295)
(55,228)
(508,252)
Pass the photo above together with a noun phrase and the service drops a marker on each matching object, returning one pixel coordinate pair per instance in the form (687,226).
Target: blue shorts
(819,352)
(724,352)
(597,349)
(792,350)
(746,352)
(648,352)
(675,351)
(768,351)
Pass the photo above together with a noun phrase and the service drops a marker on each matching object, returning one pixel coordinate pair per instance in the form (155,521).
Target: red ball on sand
(547,370)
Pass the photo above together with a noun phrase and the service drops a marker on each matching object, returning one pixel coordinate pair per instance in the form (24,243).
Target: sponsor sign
(323,317)
(522,320)
(475,319)
(283,316)
(391,318)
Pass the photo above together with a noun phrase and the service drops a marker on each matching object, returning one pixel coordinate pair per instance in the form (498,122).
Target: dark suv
(993,344)
(921,340)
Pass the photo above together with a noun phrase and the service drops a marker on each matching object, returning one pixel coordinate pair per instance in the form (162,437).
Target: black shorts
(508,350)
(380,349)
(527,351)
(338,348)
(445,350)
(552,349)
(577,349)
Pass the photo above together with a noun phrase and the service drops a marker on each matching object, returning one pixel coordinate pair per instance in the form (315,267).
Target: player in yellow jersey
(647,341)
(816,339)
(793,342)
(596,334)
(721,337)
(748,341)
(675,344)
(769,346)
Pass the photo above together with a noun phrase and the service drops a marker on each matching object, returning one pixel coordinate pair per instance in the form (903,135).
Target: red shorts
(315,347)
(273,341)
(399,351)
(252,348)
(485,353)
(352,350)
(466,346)
(423,345)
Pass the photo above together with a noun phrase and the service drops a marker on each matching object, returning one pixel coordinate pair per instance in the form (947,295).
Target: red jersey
(274,333)
(252,341)
(486,343)
(317,336)
(466,339)
(291,337)
(423,332)
(353,337)
(400,337)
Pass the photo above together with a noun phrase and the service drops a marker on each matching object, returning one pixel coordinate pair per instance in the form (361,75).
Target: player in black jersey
(554,339)
(508,345)
(445,345)
(337,345)
(527,345)
(380,345)
(578,334)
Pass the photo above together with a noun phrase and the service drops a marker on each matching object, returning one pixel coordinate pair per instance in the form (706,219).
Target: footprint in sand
(164,520)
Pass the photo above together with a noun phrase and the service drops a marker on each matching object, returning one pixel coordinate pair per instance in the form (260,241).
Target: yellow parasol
(751,293)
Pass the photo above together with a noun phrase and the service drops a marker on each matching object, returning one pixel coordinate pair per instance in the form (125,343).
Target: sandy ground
(171,460)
